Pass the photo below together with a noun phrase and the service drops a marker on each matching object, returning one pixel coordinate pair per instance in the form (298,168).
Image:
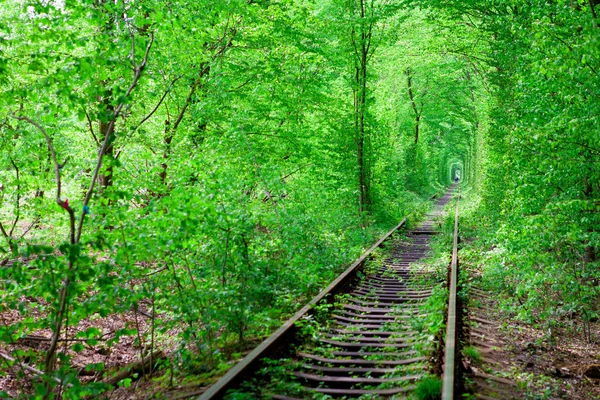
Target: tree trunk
(106,109)
(170,130)
(413,103)
(363,170)
(362,46)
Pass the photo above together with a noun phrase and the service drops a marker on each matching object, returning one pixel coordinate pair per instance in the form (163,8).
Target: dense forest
(183,175)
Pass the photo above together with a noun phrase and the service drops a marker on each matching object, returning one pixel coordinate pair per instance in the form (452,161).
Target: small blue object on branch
(86,210)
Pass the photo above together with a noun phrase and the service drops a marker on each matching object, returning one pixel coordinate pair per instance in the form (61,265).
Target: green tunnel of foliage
(229,190)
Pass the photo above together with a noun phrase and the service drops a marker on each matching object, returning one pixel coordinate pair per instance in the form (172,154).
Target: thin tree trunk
(590,253)
(360,131)
(204,70)
(105,179)
(362,50)
(414,104)
(170,130)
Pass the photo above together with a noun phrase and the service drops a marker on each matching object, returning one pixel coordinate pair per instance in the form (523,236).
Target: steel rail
(285,333)
(448,388)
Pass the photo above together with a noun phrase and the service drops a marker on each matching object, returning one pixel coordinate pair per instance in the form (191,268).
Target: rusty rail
(448,389)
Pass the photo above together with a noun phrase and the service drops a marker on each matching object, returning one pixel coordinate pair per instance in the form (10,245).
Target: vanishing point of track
(368,345)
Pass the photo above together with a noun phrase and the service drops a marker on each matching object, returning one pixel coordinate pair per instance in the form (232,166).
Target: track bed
(366,343)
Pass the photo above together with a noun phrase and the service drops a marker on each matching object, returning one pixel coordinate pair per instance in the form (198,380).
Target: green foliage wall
(539,195)
(554,183)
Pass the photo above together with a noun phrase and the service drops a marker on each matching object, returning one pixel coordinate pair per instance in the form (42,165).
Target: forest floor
(527,361)
(17,382)
(123,352)
(557,366)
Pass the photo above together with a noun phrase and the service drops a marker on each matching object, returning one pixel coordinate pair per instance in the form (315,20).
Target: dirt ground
(127,350)
(536,363)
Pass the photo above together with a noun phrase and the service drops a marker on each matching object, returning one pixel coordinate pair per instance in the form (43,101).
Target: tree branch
(5,234)
(111,126)
(18,200)
(413,103)
(89,120)
(147,117)
(27,367)
(52,153)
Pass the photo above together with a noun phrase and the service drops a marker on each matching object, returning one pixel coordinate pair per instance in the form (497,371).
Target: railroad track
(366,344)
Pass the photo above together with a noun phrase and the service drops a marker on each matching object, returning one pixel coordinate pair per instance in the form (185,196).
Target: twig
(35,221)
(89,120)
(57,167)
(157,271)
(296,170)
(35,338)
(142,312)
(27,367)
(140,367)
(52,153)
(5,234)
(154,109)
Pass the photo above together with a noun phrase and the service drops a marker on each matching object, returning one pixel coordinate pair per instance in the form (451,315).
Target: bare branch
(89,120)
(35,221)
(133,51)
(413,103)
(18,200)
(188,100)
(283,178)
(147,117)
(4,233)
(243,84)
(52,153)
(26,366)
